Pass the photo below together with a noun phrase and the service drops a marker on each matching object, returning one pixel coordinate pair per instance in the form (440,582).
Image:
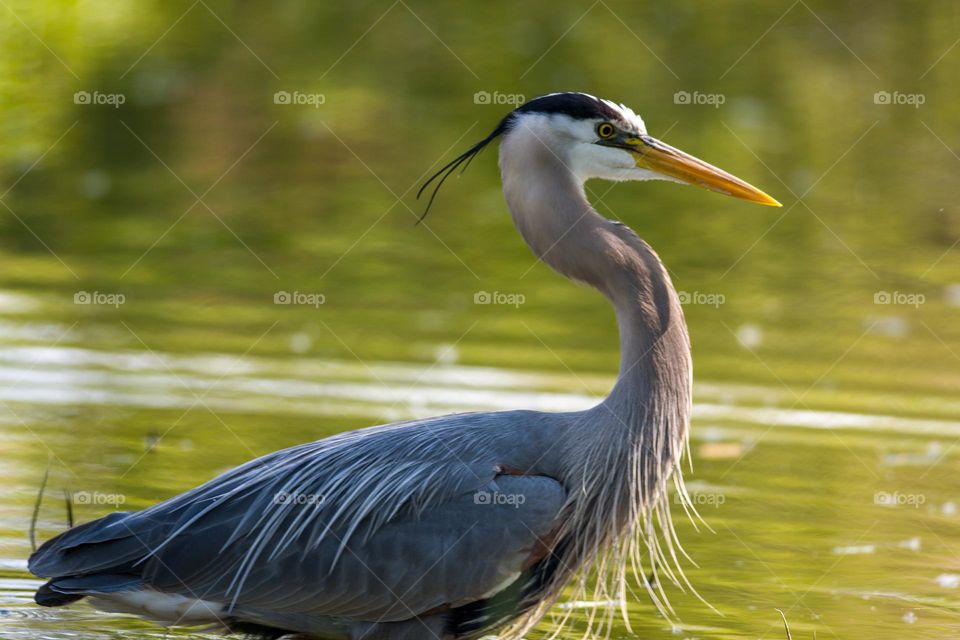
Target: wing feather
(379,524)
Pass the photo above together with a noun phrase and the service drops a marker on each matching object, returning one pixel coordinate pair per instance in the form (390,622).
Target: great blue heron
(455,526)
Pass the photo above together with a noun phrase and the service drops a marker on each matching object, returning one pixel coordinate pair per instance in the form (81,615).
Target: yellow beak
(660,157)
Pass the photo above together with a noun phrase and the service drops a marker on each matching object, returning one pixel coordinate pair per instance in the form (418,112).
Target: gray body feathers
(356,527)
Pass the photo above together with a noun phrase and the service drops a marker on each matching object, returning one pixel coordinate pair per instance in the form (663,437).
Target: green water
(825,334)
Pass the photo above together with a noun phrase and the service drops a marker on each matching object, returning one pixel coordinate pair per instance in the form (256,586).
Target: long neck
(551,212)
(617,458)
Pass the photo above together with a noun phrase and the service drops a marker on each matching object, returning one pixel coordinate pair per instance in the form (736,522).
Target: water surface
(148,249)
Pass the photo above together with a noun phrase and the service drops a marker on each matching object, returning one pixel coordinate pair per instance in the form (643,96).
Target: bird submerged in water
(455,526)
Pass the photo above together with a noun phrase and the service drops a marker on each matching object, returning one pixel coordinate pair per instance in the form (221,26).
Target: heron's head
(595,138)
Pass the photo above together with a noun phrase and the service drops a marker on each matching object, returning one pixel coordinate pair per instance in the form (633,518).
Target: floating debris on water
(300,342)
(913,544)
(447,354)
(858,549)
(889,326)
(721,450)
(909,617)
(151,439)
(948,580)
(951,295)
(750,336)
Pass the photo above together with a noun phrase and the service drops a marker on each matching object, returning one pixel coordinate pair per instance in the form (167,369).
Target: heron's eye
(605,130)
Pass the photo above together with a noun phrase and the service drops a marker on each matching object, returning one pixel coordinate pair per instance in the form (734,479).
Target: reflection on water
(146,342)
(74,376)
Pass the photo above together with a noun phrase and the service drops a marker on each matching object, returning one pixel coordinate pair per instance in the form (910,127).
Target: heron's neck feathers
(551,211)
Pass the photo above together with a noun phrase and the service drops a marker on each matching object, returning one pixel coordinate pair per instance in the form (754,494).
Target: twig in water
(68,498)
(36,508)
(785,625)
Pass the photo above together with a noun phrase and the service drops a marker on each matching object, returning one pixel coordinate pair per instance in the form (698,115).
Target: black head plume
(463,160)
(580,106)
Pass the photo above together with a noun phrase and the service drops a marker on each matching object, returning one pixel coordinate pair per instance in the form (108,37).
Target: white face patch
(574,143)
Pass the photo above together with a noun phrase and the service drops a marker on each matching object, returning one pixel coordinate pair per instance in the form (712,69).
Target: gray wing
(451,554)
(380,524)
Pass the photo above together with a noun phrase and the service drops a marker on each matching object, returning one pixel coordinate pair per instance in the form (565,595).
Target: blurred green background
(150,156)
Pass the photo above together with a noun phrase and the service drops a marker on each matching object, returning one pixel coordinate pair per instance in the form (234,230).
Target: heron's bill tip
(763,198)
